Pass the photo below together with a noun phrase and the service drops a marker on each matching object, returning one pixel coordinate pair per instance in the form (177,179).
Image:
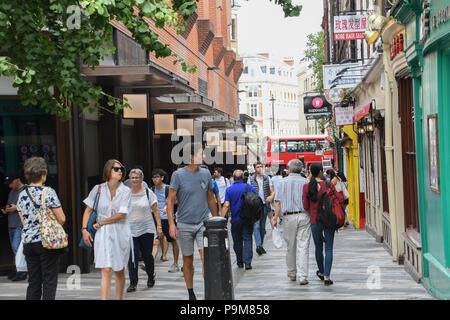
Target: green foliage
(315,54)
(289,9)
(47,41)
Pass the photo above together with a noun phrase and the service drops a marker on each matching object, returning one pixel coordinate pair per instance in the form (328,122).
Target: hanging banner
(316,107)
(349,77)
(343,115)
(350,27)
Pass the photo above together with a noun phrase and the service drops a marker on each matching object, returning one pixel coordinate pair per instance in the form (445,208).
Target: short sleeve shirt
(192,188)
(31,232)
(141,216)
(161,198)
(233,195)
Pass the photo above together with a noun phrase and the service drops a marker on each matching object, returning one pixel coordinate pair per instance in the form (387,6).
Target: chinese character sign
(349,27)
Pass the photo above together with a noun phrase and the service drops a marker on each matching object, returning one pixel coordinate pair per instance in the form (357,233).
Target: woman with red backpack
(312,193)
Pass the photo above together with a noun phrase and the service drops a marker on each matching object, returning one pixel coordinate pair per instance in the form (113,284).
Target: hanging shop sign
(343,115)
(341,76)
(350,27)
(334,95)
(316,107)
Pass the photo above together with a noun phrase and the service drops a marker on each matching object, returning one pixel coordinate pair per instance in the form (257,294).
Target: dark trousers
(323,235)
(144,245)
(42,267)
(242,241)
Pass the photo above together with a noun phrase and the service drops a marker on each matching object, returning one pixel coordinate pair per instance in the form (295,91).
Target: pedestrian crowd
(125,221)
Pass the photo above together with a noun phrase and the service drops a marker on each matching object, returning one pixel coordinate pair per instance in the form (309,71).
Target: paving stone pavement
(356,255)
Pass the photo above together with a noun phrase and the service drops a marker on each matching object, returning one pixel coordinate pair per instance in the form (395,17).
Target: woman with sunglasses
(113,240)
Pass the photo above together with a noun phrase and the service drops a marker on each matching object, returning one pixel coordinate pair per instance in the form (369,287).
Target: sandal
(328,282)
(320,276)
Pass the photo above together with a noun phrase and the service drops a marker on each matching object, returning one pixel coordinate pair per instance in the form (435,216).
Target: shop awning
(151,76)
(364,111)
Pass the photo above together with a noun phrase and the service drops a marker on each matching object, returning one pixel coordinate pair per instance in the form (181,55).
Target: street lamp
(273,114)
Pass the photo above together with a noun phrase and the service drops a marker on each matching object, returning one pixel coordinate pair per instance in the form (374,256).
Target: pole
(273,115)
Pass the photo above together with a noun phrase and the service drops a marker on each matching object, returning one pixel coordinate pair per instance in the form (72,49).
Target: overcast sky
(262,27)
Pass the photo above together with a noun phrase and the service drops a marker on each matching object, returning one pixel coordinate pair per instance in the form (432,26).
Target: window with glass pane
(272,70)
(253,110)
(323,145)
(282,146)
(310,146)
(263,69)
(295,146)
(275,147)
(245,70)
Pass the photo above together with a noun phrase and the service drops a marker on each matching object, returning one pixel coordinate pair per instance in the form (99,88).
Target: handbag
(53,235)
(276,238)
(92,220)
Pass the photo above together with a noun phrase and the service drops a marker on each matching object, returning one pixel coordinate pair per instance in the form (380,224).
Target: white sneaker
(174,268)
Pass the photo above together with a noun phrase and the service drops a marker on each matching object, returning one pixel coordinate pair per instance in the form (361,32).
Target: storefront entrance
(24,132)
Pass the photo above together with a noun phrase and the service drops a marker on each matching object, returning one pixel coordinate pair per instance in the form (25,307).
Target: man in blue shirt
(240,231)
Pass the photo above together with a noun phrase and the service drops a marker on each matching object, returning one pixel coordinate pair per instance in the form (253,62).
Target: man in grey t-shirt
(193,188)
(14,221)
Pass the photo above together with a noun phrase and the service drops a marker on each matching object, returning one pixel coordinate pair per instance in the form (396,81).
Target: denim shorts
(188,234)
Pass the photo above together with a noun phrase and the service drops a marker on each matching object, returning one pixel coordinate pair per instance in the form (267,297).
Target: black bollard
(218,274)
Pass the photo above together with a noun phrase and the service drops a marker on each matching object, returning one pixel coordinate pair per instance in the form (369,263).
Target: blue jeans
(321,235)
(15,235)
(259,228)
(242,241)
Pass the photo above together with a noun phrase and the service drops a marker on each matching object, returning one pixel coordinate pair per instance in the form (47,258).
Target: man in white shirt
(264,188)
(222,182)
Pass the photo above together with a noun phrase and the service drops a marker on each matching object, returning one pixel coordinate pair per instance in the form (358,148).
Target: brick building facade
(80,147)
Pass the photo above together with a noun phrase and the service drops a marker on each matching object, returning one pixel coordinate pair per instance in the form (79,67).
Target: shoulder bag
(92,220)
(52,233)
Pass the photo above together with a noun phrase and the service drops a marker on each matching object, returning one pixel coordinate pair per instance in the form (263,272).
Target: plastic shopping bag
(276,238)
(21,263)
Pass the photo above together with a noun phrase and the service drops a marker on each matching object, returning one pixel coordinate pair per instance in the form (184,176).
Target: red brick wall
(222,88)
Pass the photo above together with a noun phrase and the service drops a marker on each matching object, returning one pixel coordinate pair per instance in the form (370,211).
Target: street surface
(356,257)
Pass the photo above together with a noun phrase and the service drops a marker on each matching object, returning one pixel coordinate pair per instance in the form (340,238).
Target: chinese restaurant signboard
(349,27)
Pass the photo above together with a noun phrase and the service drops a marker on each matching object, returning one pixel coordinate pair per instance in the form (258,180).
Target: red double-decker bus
(308,149)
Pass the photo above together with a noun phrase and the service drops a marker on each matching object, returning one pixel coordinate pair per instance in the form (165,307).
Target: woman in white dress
(113,240)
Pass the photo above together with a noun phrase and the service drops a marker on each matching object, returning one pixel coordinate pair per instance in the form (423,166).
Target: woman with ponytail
(311,195)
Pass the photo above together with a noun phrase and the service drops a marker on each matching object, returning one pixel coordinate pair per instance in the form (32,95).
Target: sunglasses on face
(116,169)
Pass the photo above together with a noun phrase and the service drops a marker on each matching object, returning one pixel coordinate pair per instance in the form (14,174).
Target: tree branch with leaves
(47,41)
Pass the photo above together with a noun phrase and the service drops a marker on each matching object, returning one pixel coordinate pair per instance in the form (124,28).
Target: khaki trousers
(297,234)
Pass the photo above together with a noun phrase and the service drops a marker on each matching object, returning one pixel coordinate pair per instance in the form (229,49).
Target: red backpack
(329,210)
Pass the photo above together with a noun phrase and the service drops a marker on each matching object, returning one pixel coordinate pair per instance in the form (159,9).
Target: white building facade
(264,78)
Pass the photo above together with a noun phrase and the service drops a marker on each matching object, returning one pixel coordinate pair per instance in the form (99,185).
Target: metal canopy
(150,76)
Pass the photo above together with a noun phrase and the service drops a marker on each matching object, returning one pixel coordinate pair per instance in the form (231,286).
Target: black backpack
(329,211)
(252,207)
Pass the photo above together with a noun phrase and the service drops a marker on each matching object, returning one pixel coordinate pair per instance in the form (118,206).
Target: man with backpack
(264,188)
(296,222)
(161,190)
(241,230)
